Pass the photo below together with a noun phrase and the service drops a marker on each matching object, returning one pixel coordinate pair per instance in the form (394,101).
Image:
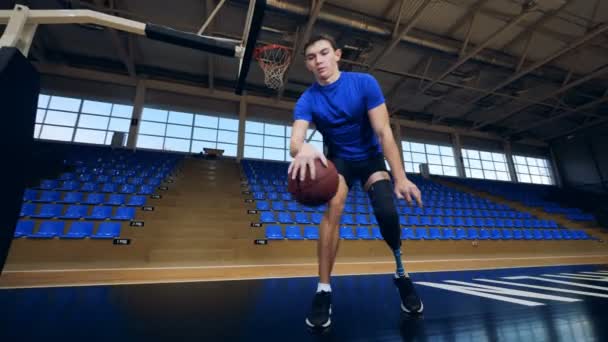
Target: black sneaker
(319,316)
(410,302)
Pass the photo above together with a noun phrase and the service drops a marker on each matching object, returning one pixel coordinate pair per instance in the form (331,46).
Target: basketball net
(274,60)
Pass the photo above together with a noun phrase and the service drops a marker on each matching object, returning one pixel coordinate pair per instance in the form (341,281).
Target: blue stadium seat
(49,197)
(293,206)
(119,180)
(413,221)
(72,198)
(472,234)
(95,199)
(448,222)
(363,233)
(528,234)
(507,234)
(107,230)
(447,234)
(100,213)
(518,234)
(30,195)
(293,233)
(49,211)
(136,181)
(88,187)
(496,234)
(349,209)
(109,187)
(278,206)
(557,234)
(274,232)
(69,185)
(302,218)
(24,228)
(127,189)
(267,217)
(518,223)
(347,219)
(146,190)
(362,209)
(316,218)
(425,221)
(547,234)
(75,212)
(376,233)
(421,234)
(361,219)
(116,199)
(311,233)
(459,222)
(285,217)
(436,221)
(484,234)
(500,223)
(262,205)
(48,230)
(538,234)
(102,179)
(286,196)
(27,209)
(124,213)
(48,184)
(407,233)
(434,234)
(567,234)
(347,233)
(468,222)
(79,230)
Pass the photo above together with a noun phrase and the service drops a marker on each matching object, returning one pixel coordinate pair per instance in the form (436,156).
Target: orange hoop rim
(259,50)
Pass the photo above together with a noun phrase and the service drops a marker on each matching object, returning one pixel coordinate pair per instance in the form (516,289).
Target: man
(348,109)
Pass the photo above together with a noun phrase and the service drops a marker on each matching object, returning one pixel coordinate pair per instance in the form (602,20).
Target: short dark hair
(322,36)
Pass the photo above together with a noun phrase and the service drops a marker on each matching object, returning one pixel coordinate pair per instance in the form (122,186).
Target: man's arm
(304,154)
(380,122)
(298,133)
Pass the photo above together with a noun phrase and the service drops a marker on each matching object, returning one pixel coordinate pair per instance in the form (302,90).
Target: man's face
(322,59)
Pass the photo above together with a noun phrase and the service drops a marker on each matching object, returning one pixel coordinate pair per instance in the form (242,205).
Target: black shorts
(360,169)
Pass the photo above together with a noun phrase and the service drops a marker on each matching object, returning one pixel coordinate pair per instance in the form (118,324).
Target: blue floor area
(566,303)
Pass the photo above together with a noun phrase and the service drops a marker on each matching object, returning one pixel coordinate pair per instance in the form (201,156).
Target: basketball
(318,191)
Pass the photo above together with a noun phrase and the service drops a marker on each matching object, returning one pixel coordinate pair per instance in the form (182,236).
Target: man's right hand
(305,158)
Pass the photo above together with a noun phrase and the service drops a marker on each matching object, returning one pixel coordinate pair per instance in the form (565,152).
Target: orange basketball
(318,191)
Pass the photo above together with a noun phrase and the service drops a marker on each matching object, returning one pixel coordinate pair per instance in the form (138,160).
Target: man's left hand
(408,190)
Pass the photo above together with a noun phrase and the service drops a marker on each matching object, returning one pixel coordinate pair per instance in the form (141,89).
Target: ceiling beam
(314,14)
(210,57)
(119,45)
(466,18)
(402,32)
(563,114)
(478,48)
(573,45)
(548,16)
(565,87)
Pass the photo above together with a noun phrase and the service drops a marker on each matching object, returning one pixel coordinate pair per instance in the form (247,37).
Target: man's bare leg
(329,232)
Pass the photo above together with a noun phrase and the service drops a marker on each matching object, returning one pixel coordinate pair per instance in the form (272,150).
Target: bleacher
(447,214)
(532,195)
(99,190)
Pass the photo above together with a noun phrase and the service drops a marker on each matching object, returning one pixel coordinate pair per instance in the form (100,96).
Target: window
(80,120)
(439,158)
(533,170)
(485,165)
(271,141)
(187,132)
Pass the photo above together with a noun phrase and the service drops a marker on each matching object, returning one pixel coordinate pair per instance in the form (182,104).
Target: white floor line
(301,264)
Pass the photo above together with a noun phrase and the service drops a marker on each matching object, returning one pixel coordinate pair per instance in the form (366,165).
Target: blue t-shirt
(339,112)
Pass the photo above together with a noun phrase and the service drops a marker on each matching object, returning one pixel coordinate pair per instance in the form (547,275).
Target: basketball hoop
(274,60)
